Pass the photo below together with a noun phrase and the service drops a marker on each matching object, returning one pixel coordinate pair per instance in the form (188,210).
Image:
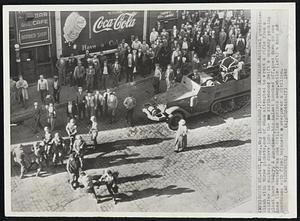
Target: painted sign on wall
(33,28)
(98,30)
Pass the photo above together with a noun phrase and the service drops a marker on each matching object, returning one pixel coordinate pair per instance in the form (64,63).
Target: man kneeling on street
(86,182)
(110,180)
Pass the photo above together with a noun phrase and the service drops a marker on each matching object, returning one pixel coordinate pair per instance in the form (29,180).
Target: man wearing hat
(56,89)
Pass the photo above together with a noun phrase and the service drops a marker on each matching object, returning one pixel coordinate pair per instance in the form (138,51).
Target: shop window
(43,54)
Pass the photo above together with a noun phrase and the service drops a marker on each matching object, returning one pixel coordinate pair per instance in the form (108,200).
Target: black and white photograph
(130,111)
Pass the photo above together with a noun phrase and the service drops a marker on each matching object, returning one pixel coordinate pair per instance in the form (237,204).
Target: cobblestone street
(212,174)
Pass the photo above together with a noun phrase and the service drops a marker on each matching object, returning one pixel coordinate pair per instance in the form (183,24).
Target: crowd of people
(200,41)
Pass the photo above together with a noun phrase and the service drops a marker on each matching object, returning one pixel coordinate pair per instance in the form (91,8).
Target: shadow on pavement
(149,192)
(219,144)
(211,119)
(138,177)
(116,160)
(123,144)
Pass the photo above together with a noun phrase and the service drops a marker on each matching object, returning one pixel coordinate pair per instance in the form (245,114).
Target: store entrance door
(28,65)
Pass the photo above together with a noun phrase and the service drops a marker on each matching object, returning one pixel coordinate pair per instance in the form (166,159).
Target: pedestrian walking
(80,100)
(129,103)
(61,66)
(79,147)
(73,167)
(56,89)
(89,77)
(181,136)
(99,104)
(19,158)
(71,129)
(42,87)
(51,116)
(58,149)
(110,180)
(22,88)
(112,104)
(94,131)
(37,113)
(157,78)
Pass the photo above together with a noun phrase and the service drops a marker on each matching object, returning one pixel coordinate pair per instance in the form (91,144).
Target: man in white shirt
(153,35)
(42,87)
(136,44)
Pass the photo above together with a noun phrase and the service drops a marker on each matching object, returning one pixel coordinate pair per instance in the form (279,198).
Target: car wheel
(174,119)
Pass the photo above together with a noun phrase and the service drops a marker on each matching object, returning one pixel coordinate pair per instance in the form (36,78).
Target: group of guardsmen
(54,149)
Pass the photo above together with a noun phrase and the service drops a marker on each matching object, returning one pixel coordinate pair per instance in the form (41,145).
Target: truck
(189,98)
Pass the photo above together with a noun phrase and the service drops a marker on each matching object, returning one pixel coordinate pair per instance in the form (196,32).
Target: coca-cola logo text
(124,20)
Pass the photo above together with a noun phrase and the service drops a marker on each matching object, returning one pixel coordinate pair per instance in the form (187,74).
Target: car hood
(178,92)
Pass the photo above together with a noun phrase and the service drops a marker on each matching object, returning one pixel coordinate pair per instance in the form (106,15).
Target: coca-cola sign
(124,20)
(98,30)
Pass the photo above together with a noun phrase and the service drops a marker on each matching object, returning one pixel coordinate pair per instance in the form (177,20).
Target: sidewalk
(18,113)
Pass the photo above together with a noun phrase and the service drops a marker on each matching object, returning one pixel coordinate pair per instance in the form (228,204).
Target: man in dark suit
(72,111)
(37,117)
(139,64)
(56,89)
(80,100)
(71,64)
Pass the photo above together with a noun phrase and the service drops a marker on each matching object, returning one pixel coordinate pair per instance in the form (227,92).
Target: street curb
(14,118)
